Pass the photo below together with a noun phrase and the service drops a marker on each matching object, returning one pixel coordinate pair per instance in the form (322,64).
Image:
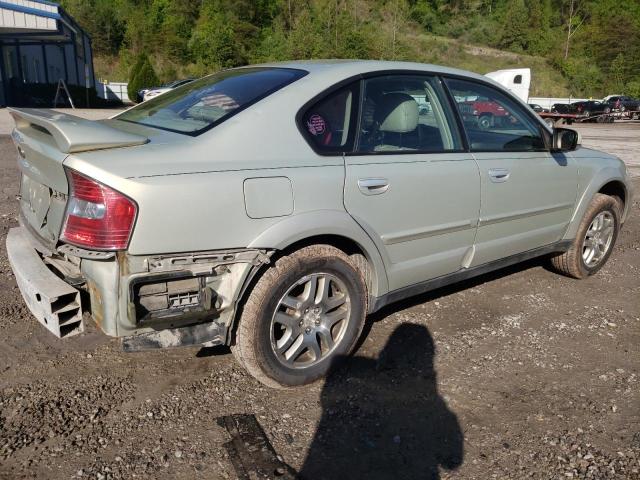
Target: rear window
(202,104)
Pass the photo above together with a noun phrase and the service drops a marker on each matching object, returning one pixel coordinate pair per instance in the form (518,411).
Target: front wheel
(594,241)
(302,315)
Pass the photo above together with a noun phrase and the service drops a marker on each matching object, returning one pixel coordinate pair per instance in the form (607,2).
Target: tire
(484,122)
(281,295)
(573,262)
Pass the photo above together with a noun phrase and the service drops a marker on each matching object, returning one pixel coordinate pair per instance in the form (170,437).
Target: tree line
(594,44)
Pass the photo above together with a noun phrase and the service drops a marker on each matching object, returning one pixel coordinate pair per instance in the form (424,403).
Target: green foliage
(142,76)
(140,60)
(584,76)
(515,33)
(188,37)
(633,89)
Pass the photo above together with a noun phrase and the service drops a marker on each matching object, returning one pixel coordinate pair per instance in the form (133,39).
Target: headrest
(398,113)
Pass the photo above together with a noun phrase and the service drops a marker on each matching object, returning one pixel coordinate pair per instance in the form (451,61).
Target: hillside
(577,47)
(547,80)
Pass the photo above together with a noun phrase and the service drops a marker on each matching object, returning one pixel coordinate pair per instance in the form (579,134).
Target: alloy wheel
(598,239)
(310,320)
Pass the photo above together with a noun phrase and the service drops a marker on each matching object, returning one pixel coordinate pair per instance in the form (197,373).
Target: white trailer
(517,80)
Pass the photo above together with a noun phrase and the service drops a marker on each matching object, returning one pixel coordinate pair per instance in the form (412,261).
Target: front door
(528,193)
(409,183)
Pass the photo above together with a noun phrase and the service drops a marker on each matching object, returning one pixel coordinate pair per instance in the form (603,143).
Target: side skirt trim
(464,274)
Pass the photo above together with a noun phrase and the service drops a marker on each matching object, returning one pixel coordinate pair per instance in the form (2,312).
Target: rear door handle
(499,175)
(373,186)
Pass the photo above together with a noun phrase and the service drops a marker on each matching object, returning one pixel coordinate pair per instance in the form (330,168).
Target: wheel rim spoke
(335,301)
(285,320)
(285,342)
(326,338)
(312,344)
(334,317)
(324,285)
(291,302)
(295,349)
(310,290)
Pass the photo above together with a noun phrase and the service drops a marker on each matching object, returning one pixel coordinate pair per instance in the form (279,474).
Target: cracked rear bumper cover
(53,302)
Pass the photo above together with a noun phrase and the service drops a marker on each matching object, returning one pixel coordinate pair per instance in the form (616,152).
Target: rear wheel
(594,241)
(303,314)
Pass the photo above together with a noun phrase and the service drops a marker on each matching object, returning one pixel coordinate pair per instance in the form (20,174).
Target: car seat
(396,118)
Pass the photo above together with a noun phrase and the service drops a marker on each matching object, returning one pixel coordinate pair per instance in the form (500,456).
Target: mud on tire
(255,347)
(572,262)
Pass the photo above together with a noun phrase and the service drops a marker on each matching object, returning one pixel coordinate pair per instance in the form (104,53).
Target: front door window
(493,121)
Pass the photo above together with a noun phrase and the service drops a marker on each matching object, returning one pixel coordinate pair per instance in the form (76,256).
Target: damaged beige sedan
(271,208)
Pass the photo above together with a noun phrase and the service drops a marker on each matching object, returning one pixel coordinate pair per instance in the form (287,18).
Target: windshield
(202,104)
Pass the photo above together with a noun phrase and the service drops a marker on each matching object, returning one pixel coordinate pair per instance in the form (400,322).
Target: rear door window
(202,104)
(329,124)
(406,114)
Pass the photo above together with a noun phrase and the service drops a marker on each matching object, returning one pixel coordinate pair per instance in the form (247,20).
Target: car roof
(348,68)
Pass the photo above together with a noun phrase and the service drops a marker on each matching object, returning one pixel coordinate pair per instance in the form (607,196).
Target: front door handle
(373,186)
(499,175)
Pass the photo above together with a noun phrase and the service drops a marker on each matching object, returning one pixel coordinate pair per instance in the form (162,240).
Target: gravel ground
(621,138)
(518,374)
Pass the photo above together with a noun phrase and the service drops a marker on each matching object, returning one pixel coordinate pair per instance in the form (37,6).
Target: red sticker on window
(316,125)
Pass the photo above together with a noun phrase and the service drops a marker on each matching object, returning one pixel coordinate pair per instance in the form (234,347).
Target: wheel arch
(615,188)
(607,181)
(330,227)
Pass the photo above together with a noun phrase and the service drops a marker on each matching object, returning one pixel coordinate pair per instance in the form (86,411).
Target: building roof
(35,19)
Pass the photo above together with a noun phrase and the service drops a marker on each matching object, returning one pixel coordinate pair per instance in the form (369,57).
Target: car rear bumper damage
(153,301)
(53,302)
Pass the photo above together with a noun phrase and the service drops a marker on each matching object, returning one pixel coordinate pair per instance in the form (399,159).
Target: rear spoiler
(74,134)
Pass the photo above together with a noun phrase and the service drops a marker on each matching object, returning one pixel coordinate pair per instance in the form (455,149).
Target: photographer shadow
(384,418)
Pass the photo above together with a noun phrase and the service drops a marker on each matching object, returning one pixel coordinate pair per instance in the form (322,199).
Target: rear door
(528,193)
(409,183)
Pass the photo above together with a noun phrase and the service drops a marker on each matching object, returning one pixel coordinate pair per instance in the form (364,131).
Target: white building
(40,45)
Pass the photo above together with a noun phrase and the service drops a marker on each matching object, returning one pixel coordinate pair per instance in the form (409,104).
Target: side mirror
(565,140)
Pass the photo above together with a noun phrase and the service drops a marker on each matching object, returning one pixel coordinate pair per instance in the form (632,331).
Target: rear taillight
(97,216)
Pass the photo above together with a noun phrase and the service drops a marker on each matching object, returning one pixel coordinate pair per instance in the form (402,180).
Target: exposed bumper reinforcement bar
(205,335)
(53,302)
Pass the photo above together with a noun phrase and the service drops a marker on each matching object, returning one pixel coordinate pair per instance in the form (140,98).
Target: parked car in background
(271,208)
(538,109)
(148,93)
(562,108)
(590,108)
(622,103)
(485,112)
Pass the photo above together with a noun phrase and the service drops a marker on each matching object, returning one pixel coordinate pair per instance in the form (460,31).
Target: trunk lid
(44,138)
